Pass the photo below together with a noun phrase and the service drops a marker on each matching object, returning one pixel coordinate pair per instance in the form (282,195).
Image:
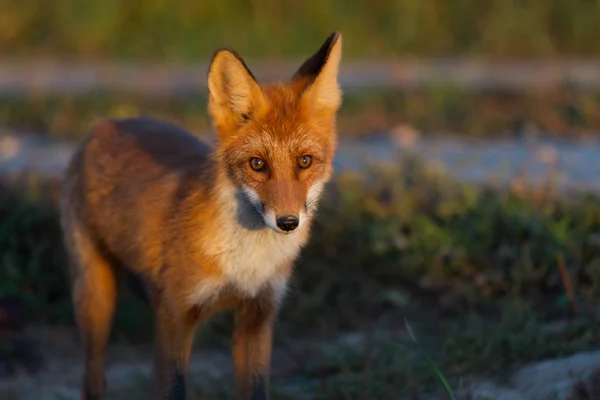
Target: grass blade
(437,374)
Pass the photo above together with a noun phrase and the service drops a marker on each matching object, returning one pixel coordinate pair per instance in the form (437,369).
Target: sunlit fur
(198,225)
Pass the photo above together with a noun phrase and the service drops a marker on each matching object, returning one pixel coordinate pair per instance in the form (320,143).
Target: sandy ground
(129,369)
(570,164)
(68,77)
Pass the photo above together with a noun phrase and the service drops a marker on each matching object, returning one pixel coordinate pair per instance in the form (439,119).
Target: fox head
(276,141)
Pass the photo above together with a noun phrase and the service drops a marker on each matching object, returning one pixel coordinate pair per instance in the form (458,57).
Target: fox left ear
(318,75)
(234,93)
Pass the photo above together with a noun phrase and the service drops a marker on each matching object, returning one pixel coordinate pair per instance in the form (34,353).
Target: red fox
(204,229)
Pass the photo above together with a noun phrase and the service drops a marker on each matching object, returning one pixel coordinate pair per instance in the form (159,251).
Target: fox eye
(305,161)
(257,164)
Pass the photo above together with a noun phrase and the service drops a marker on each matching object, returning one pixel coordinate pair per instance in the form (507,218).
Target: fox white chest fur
(250,258)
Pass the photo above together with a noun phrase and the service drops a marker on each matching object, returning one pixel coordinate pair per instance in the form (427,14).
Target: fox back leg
(175,325)
(94,297)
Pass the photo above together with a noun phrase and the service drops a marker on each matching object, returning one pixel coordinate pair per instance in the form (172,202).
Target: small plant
(431,366)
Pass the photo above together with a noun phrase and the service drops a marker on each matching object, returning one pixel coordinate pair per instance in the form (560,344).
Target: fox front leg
(252,342)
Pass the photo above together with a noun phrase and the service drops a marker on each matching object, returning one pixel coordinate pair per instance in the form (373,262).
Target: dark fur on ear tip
(313,65)
(233,53)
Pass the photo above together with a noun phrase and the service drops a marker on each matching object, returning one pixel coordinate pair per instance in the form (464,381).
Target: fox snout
(283,221)
(278,210)
(287,222)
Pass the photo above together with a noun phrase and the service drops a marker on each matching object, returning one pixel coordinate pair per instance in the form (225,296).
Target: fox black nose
(287,222)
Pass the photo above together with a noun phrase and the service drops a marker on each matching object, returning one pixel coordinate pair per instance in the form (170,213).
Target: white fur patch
(314,192)
(313,196)
(207,291)
(279,285)
(248,258)
(271,221)
(252,263)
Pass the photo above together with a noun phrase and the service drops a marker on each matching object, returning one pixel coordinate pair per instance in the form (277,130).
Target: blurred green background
(165,30)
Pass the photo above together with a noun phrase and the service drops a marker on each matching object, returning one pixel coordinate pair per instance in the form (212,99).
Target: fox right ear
(318,76)
(234,93)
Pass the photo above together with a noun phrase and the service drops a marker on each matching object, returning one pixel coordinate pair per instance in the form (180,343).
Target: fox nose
(287,222)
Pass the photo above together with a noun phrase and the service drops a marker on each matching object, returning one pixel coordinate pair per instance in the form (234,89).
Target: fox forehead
(269,142)
(279,131)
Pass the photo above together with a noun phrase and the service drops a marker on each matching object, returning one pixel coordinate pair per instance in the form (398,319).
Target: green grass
(479,272)
(164,30)
(560,112)
(437,374)
(381,241)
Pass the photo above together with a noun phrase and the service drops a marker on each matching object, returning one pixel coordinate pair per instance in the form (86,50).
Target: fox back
(204,228)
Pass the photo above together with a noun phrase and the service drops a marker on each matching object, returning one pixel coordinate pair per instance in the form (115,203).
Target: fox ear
(318,76)
(234,93)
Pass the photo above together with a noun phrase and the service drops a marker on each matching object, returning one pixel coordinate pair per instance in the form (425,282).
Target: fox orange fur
(204,229)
